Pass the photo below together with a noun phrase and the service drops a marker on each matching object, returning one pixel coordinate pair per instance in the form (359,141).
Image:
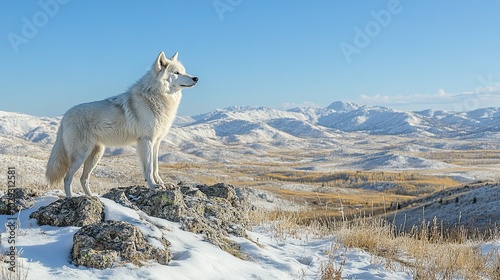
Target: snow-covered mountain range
(349,117)
(263,124)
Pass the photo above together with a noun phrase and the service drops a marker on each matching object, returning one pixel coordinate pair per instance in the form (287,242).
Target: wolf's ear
(174,57)
(161,62)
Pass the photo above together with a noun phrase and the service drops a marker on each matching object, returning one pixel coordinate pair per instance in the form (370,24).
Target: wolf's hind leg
(88,167)
(75,163)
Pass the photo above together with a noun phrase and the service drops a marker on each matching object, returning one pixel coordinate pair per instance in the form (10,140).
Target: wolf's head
(170,73)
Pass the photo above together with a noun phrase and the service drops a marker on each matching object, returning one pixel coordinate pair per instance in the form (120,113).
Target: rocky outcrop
(75,211)
(166,204)
(219,208)
(215,211)
(106,244)
(17,199)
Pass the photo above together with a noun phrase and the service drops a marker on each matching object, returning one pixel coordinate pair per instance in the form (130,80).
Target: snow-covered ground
(45,253)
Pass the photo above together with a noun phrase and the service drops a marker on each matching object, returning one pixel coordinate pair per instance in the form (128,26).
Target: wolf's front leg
(156,173)
(146,153)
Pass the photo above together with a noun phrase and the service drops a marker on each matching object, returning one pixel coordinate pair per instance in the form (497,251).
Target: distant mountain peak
(343,106)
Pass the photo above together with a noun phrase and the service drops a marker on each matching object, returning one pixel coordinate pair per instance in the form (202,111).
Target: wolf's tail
(58,163)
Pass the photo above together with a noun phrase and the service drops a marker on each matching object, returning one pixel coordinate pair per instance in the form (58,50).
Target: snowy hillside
(45,253)
(31,128)
(471,206)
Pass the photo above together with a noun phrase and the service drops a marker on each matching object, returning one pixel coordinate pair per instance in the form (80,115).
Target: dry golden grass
(405,182)
(329,271)
(342,205)
(465,157)
(427,252)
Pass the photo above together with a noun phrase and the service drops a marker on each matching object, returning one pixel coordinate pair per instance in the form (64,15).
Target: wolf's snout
(195,79)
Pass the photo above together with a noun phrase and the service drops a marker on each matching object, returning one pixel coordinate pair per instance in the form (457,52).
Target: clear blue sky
(402,54)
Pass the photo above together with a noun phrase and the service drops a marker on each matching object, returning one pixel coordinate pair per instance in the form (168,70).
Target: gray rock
(215,211)
(164,203)
(19,198)
(110,243)
(74,211)
(232,220)
(220,190)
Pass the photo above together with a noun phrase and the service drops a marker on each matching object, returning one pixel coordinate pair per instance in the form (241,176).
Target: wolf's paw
(169,186)
(164,186)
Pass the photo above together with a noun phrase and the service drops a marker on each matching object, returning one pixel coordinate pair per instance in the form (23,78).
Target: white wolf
(142,115)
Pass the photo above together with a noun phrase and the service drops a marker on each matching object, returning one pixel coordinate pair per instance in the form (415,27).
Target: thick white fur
(142,116)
